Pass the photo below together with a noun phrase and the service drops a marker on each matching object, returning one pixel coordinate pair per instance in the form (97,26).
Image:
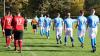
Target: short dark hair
(81,11)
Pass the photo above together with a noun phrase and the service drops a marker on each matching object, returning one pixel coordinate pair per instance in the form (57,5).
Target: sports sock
(57,39)
(9,41)
(20,44)
(92,43)
(82,38)
(16,43)
(72,40)
(95,41)
(65,40)
(79,38)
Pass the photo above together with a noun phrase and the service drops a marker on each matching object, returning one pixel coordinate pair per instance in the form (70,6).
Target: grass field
(40,46)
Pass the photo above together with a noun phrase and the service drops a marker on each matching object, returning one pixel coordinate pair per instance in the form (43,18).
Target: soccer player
(58,24)
(37,19)
(34,24)
(41,25)
(68,28)
(81,23)
(18,25)
(7,28)
(93,22)
(47,26)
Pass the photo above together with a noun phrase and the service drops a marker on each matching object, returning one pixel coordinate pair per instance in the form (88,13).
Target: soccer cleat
(94,50)
(47,37)
(57,43)
(9,47)
(20,51)
(60,42)
(72,45)
(82,45)
(65,44)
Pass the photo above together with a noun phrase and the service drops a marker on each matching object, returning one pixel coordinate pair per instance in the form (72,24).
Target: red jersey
(18,23)
(7,22)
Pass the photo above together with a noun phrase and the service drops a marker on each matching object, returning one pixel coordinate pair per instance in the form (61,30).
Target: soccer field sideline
(40,46)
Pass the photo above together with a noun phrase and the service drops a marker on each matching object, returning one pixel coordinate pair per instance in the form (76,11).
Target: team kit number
(19,21)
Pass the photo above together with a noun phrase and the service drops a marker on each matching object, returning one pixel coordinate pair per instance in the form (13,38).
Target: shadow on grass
(41,45)
(35,38)
(86,51)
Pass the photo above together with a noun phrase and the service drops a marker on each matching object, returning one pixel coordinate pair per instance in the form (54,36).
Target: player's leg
(41,30)
(12,35)
(93,44)
(15,44)
(92,35)
(20,40)
(80,38)
(71,36)
(33,28)
(57,37)
(60,35)
(66,37)
(8,37)
(44,30)
(15,40)
(47,32)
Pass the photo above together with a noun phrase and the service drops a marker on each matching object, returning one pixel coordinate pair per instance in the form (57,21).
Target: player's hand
(3,30)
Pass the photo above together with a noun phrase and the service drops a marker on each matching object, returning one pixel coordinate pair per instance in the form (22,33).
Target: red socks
(20,44)
(8,41)
(16,43)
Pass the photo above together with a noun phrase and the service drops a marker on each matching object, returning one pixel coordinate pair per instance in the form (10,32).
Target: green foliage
(30,8)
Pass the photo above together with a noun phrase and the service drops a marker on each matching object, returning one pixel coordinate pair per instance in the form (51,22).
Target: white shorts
(41,28)
(81,32)
(69,32)
(92,32)
(59,31)
(47,29)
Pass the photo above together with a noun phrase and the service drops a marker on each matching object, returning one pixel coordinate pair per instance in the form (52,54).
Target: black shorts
(25,25)
(18,35)
(8,32)
(34,26)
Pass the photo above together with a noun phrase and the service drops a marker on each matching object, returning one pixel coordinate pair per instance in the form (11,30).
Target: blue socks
(47,34)
(81,39)
(93,42)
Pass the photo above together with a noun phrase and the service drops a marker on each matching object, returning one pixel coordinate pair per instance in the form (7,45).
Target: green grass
(40,46)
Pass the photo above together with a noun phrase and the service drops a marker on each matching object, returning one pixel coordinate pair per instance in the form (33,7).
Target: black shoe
(57,43)
(82,45)
(94,50)
(72,45)
(65,44)
(60,42)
